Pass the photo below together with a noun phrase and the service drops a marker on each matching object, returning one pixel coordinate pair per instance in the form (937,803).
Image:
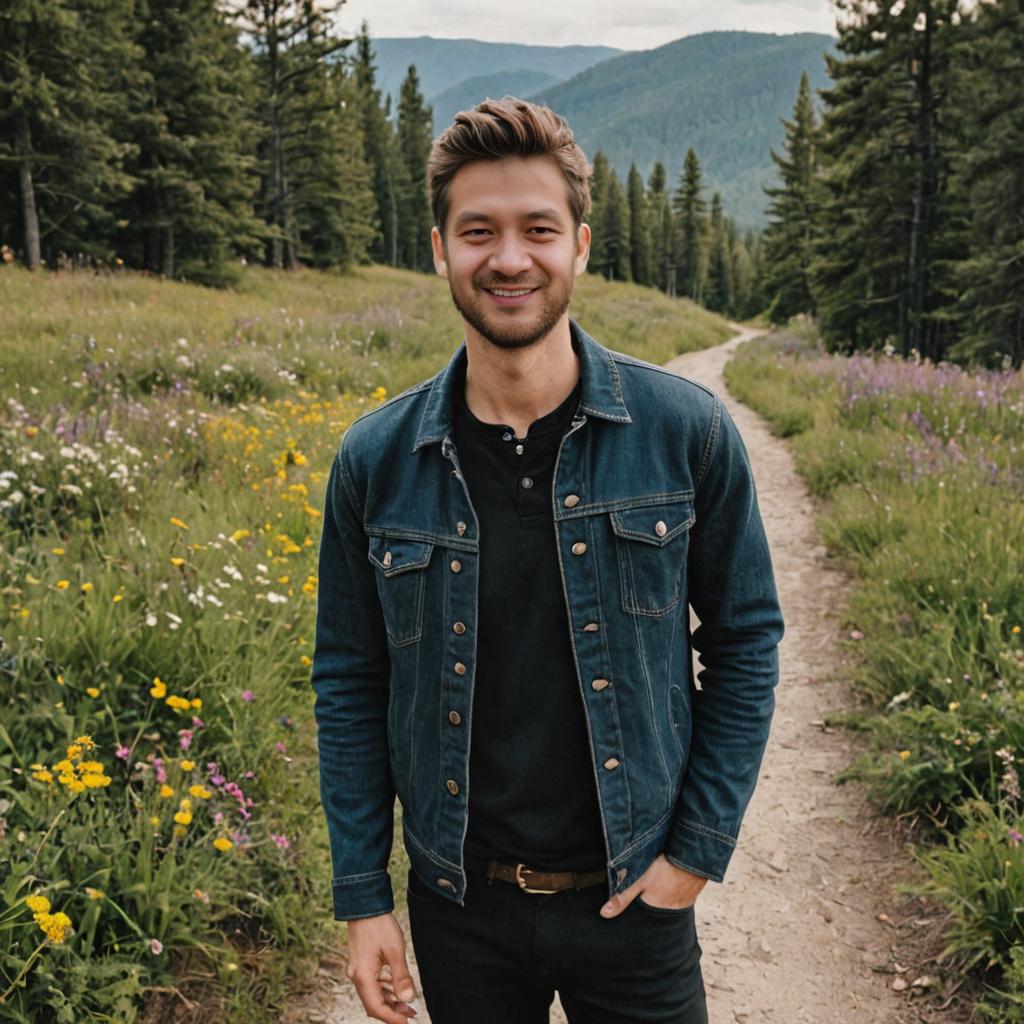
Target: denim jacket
(654,510)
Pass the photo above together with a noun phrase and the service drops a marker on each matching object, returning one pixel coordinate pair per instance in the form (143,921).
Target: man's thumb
(405,988)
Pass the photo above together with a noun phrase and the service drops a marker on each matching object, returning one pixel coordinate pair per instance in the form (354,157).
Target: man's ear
(437,244)
(582,248)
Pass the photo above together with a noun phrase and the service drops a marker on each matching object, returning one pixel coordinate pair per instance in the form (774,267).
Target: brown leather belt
(530,880)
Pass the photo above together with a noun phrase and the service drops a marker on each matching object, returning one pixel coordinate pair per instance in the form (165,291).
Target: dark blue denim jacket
(654,509)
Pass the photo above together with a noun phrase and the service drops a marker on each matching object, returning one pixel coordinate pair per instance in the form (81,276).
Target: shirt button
(454,717)
(456,565)
(599,684)
(460,528)
(527,482)
(453,786)
(660,528)
(459,627)
(591,627)
(506,436)
(519,449)
(611,763)
(460,669)
(579,547)
(386,559)
(571,500)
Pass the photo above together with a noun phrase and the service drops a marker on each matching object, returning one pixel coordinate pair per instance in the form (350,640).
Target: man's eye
(476,232)
(539,228)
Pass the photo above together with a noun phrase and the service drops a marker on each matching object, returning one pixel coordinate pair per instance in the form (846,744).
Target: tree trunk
(30,216)
(168,255)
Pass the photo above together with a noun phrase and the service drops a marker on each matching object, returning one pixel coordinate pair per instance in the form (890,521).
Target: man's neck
(518,386)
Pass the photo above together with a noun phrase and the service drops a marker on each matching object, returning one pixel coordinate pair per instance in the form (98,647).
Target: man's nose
(510,257)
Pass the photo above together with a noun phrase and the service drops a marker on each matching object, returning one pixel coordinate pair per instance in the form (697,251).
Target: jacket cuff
(357,896)
(699,849)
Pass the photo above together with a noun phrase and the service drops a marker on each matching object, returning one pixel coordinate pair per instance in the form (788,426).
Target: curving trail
(792,935)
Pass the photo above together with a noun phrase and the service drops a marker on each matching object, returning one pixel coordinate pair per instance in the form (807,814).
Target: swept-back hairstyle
(501,128)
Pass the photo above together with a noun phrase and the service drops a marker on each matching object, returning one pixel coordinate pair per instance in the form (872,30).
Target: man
(508,555)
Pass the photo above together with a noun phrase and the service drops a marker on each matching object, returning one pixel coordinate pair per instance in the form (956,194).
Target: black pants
(500,958)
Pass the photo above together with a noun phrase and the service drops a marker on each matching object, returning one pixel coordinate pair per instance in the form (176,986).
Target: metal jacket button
(454,717)
(460,528)
(591,627)
(453,787)
(386,559)
(579,547)
(459,627)
(660,528)
(611,763)
(599,684)
(527,482)
(456,565)
(571,500)
(460,669)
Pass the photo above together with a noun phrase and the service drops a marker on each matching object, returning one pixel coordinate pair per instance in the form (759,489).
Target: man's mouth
(509,296)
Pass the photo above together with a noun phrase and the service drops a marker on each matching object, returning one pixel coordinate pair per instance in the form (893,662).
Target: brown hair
(496,129)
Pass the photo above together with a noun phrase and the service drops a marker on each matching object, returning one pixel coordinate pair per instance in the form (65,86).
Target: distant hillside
(520,82)
(720,92)
(442,63)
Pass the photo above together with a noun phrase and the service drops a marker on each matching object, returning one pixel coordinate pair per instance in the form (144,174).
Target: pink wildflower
(161,772)
(122,752)
(185,738)
(280,841)
(248,696)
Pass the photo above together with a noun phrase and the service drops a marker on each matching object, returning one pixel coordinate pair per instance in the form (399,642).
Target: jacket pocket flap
(394,555)
(654,524)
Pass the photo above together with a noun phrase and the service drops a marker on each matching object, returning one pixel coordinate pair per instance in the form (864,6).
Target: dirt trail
(792,934)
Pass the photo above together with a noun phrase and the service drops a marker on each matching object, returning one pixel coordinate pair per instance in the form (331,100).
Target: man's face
(510,251)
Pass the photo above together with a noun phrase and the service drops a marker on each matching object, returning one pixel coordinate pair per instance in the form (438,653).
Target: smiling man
(509,554)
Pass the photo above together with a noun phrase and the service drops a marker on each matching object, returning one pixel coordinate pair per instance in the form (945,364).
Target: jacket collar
(602,389)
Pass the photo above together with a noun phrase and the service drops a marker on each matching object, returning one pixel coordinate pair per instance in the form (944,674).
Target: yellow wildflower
(379,394)
(74,752)
(75,785)
(904,754)
(92,691)
(94,894)
(60,680)
(38,904)
(90,766)
(62,584)
(197,702)
(239,535)
(94,780)
(57,551)
(54,925)
(166,791)
(86,587)
(177,561)
(187,766)
(183,817)
(200,792)
(175,521)
(158,689)
(65,766)
(223,844)
(306,660)
(85,742)
(118,598)
(178,703)
(154,820)
(43,775)
(29,578)
(1015,630)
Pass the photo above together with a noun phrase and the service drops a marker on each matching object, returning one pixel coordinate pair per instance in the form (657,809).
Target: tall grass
(163,451)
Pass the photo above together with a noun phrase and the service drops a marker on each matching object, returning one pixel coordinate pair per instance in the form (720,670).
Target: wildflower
(156,947)
(150,619)
(57,551)
(118,598)
(178,703)
(201,896)
(1015,837)
(280,747)
(43,775)
(187,766)
(379,393)
(175,521)
(166,791)
(223,844)
(200,792)
(856,634)
(55,926)
(904,754)
(196,702)
(94,894)
(154,820)
(92,691)
(160,770)
(95,780)
(198,723)
(177,561)
(183,817)
(248,696)
(280,841)
(305,660)
(122,753)
(239,535)
(185,738)
(86,588)
(62,584)
(158,689)
(38,904)
(953,705)
(1015,630)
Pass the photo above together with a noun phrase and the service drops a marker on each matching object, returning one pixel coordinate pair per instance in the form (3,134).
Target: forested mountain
(721,93)
(519,82)
(442,63)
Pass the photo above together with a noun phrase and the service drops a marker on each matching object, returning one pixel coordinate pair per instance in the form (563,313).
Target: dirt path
(792,935)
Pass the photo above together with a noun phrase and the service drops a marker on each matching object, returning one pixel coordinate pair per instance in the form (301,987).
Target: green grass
(163,451)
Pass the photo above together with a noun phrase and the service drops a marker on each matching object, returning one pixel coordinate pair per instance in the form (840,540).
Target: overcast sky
(636,25)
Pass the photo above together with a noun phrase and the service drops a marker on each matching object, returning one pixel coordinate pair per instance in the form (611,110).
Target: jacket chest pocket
(401,566)
(650,545)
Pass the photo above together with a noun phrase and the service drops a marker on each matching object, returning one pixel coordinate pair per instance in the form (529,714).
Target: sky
(637,25)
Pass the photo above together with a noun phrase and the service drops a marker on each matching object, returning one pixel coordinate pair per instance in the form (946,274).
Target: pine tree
(191,211)
(719,292)
(662,230)
(988,275)
(413,140)
(63,68)
(615,231)
(378,151)
(877,272)
(689,208)
(639,228)
(600,185)
(789,237)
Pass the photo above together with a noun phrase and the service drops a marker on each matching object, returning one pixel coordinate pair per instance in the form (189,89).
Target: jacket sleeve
(350,676)
(732,591)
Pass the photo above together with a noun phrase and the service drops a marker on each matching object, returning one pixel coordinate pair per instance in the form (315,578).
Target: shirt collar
(602,389)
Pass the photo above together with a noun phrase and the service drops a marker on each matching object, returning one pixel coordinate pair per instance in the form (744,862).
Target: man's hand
(377,968)
(663,885)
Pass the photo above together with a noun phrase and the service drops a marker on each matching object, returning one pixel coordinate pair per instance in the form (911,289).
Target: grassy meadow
(163,452)
(919,470)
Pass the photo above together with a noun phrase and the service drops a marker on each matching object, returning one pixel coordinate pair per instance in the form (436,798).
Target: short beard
(514,337)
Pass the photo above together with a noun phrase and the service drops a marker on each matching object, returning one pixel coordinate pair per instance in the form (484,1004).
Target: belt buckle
(521,882)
